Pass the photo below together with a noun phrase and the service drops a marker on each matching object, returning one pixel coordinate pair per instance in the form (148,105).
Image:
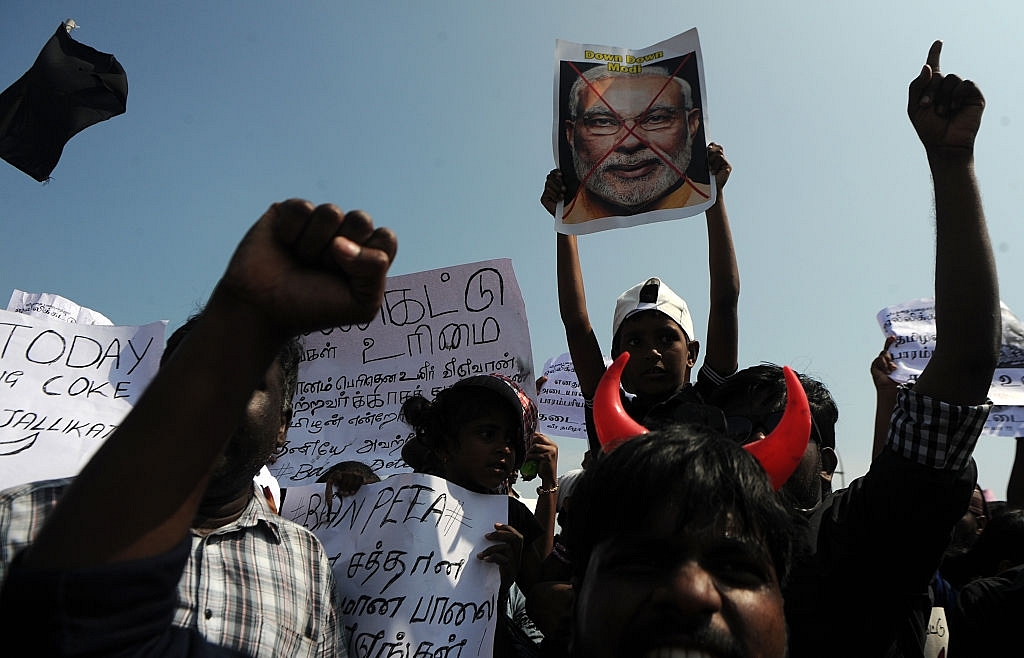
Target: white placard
(64,387)
(404,552)
(46,304)
(434,328)
(913,325)
(560,404)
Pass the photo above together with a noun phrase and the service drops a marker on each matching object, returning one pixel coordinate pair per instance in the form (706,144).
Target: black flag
(70,87)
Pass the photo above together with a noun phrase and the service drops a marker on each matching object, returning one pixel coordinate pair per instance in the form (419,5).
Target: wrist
(950,156)
(547,490)
(227,306)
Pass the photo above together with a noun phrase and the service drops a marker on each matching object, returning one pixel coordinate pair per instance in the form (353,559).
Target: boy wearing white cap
(653,324)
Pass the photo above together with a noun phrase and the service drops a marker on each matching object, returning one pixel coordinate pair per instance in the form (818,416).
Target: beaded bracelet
(550,490)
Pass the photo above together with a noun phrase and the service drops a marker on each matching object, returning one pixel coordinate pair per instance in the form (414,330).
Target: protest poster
(560,405)
(434,328)
(64,387)
(630,134)
(55,306)
(403,552)
(913,325)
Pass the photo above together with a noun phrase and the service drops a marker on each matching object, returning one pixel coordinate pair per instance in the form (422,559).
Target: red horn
(781,451)
(614,426)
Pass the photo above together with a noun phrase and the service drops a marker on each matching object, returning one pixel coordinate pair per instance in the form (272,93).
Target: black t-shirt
(522,519)
(687,405)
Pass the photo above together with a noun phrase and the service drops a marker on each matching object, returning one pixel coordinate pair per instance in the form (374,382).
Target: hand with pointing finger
(945,110)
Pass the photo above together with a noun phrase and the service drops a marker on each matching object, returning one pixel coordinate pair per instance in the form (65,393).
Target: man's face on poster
(631,139)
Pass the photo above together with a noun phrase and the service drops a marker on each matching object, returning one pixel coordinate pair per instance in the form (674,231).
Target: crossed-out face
(671,590)
(632,139)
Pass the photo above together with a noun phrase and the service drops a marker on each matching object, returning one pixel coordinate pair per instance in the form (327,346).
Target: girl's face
(483,457)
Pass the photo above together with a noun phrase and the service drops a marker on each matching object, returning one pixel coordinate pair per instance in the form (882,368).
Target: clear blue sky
(436,118)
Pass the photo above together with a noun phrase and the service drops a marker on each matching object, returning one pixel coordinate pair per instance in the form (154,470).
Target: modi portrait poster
(630,134)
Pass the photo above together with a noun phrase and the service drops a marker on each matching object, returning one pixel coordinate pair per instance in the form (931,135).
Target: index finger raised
(933,56)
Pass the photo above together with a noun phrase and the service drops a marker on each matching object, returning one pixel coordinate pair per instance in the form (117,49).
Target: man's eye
(601,122)
(657,120)
(629,563)
(492,435)
(745,571)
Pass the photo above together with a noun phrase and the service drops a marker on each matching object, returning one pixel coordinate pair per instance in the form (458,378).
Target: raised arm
(584,348)
(298,268)
(545,452)
(946,112)
(721,352)
(885,394)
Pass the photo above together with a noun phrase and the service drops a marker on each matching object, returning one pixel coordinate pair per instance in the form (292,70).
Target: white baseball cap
(652,295)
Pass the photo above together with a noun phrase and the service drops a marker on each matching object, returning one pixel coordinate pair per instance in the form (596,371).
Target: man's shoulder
(288,531)
(294,531)
(32,499)
(55,486)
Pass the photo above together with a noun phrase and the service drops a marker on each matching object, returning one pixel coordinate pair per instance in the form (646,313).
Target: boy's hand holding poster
(630,134)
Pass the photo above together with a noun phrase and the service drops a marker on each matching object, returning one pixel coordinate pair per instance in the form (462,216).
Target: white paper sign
(560,404)
(913,324)
(404,557)
(434,328)
(45,304)
(64,387)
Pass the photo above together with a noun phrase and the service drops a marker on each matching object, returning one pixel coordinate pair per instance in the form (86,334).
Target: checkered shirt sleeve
(934,433)
(23,510)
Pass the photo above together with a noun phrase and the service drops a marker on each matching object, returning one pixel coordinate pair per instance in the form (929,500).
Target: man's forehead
(632,93)
(676,533)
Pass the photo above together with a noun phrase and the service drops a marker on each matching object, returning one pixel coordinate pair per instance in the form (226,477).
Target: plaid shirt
(261,585)
(934,433)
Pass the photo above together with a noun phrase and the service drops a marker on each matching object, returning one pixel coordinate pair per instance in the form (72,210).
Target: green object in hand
(528,470)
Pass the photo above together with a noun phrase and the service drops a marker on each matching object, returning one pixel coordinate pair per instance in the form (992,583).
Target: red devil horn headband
(779,453)
(614,426)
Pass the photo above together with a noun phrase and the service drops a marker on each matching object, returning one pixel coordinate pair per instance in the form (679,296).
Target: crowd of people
(703,521)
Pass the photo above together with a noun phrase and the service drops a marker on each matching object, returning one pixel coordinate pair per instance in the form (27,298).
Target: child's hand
(507,553)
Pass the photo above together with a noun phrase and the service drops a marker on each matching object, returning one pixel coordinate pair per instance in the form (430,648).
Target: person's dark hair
(436,423)
(766,381)
(689,471)
(288,357)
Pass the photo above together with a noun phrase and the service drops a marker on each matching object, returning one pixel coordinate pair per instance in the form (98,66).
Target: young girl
(476,434)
